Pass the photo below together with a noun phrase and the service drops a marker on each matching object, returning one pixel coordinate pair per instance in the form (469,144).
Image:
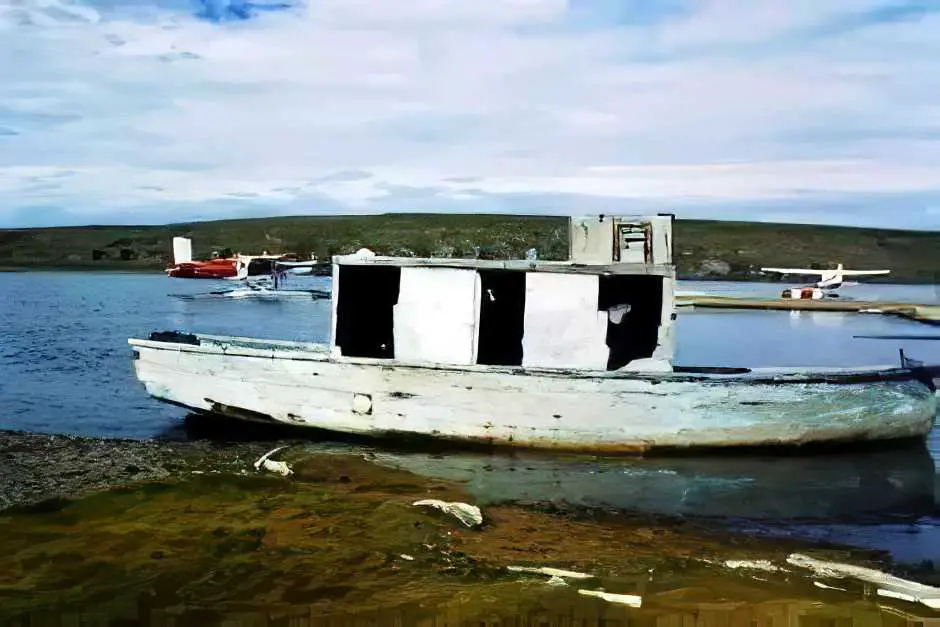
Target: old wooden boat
(573,355)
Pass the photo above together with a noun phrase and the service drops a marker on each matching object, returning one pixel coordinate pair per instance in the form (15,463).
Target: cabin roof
(522,265)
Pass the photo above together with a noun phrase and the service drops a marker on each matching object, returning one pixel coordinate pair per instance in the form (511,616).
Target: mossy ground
(339,538)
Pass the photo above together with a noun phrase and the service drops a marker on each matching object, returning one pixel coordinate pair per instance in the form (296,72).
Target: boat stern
(153,368)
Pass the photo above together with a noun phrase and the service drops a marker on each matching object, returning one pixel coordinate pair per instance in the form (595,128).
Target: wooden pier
(929,314)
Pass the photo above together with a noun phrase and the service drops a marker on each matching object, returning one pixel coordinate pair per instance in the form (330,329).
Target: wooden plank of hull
(589,414)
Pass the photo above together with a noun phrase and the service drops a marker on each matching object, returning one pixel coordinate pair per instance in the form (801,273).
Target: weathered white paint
(562,326)
(662,239)
(600,411)
(436,318)
(666,345)
(591,240)
(526,265)
(594,240)
(334,303)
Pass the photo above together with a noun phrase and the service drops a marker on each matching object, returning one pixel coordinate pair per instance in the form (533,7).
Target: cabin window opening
(502,317)
(634,307)
(365,311)
(633,243)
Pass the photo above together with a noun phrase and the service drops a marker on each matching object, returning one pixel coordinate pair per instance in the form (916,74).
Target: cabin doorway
(635,303)
(502,315)
(365,311)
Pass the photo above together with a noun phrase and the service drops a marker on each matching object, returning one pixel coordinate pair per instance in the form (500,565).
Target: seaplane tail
(829,279)
(182,250)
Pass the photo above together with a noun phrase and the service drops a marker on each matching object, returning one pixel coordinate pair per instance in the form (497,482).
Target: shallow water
(65,368)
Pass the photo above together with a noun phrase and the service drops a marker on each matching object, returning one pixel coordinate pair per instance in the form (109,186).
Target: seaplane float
(829,281)
(484,351)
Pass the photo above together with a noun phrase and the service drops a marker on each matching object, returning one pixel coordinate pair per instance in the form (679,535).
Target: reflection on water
(875,483)
(881,497)
(890,483)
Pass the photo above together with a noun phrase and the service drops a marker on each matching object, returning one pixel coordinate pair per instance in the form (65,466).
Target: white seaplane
(829,280)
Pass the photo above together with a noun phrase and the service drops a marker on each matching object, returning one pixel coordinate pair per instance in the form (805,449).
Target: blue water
(65,367)
(64,360)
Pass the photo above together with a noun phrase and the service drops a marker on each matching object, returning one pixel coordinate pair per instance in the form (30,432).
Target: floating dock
(929,314)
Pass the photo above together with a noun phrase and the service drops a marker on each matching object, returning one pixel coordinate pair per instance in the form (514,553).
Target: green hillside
(703,249)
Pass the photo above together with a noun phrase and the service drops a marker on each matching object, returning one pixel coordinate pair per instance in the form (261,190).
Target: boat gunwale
(666,270)
(320,352)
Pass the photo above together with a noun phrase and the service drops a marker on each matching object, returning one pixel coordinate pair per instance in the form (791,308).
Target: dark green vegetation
(704,249)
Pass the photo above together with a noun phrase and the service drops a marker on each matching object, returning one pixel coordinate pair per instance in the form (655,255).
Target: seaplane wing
(797,271)
(863,272)
(825,272)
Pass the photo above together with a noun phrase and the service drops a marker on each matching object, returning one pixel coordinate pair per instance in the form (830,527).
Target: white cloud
(111,107)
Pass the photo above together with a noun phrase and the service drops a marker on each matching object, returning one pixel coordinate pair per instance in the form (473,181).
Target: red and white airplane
(237,268)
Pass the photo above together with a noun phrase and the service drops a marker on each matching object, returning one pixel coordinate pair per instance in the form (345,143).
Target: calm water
(65,368)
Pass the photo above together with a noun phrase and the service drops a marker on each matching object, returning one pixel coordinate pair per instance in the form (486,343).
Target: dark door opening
(365,311)
(502,317)
(636,333)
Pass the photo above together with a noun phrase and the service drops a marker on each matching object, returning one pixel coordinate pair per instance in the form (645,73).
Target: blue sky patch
(226,10)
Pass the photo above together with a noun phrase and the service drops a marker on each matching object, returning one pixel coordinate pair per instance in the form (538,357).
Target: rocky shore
(36,467)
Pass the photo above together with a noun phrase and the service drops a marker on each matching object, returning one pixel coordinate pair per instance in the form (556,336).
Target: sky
(155,111)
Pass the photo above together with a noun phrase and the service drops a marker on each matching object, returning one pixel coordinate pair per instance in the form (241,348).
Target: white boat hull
(599,412)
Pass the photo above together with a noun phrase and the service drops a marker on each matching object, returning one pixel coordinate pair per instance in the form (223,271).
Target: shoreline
(61,269)
(702,249)
(79,268)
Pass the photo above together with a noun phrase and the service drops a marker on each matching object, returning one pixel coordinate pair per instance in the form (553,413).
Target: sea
(65,368)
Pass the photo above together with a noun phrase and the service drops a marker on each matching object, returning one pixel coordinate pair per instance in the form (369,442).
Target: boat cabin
(608,307)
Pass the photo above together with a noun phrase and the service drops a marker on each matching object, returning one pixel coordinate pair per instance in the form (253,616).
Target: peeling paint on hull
(605,413)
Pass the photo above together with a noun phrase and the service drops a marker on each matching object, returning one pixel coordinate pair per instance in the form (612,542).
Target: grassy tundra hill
(703,249)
